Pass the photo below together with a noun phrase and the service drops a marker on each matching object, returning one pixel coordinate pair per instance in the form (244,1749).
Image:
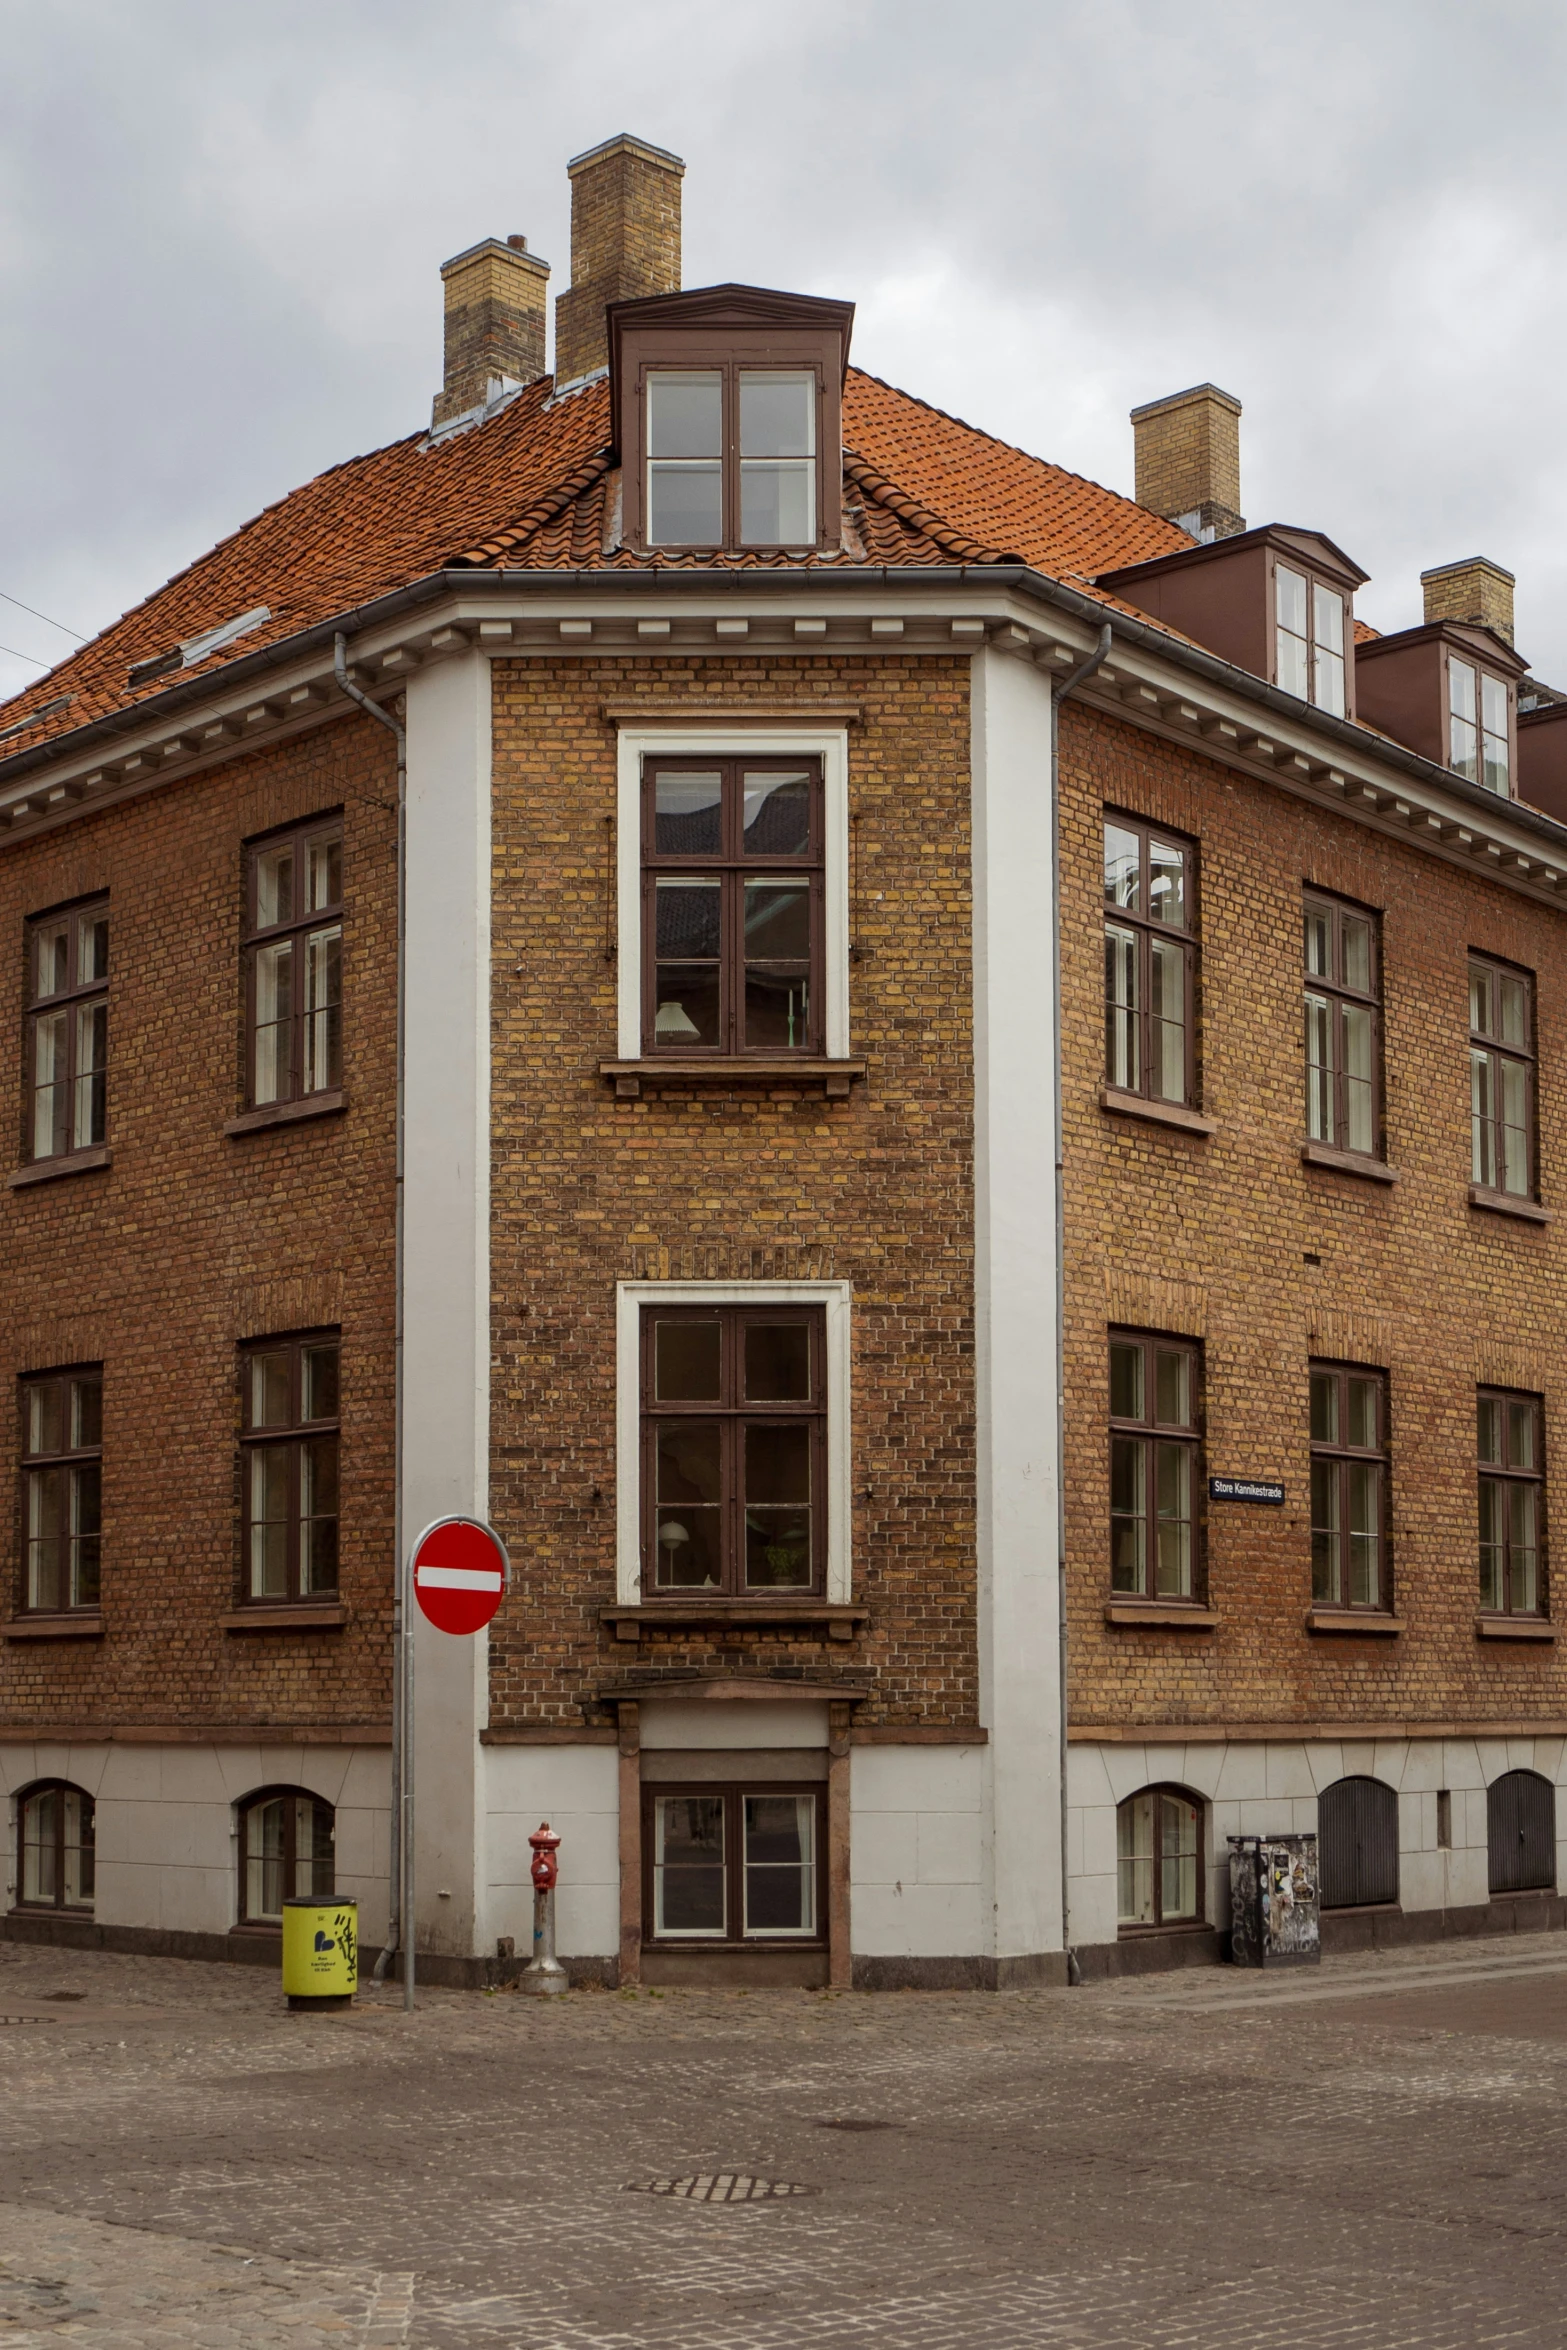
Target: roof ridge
(1012,448)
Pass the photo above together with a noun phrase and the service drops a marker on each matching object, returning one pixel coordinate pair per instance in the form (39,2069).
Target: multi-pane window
(1343,1025)
(734,1864)
(731,446)
(1477,730)
(294,963)
(62,1472)
(288,1443)
(1348,1486)
(1150,961)
(1309,627)
(1158,1858)
(1153,1466)
(286,1842)
(1501,1077)
(55,1846)
(732,879)
(1511,1492)
(67,1030)
(733,1450)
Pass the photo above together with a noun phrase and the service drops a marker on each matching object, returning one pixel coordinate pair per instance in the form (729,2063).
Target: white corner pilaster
(446,1262)
(1015,1275)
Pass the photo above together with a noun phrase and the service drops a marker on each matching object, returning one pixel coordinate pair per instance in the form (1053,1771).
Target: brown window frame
(1506,1473)
(1148,933)
(1482,733)
(77,996)
(259,937)
(271,1920)
(1151,1433)
(732,866)
(86,1845)
(1316,585)
(1489,1129)
(1342,1457)
(292,1436)
(1343,998)
(1159,1922)
(734,1414)
(787,358)
(732,1793)
(83,1579)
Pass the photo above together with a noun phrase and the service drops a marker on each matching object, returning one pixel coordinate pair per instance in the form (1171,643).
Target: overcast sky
(221,228)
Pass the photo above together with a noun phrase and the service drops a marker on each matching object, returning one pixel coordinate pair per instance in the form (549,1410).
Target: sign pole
(406,1690)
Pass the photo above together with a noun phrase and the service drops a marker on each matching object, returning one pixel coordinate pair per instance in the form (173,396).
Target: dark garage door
(1357,1833)
(1521,1819)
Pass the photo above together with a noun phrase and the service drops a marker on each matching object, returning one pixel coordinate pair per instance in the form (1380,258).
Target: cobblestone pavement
(1370,2154)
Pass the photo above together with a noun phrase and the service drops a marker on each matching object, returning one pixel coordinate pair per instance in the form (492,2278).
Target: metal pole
(400,1858)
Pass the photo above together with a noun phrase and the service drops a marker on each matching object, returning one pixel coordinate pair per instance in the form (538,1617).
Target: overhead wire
(27,657)
(43,616)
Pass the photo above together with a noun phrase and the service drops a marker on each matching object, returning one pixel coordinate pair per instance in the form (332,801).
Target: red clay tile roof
(532,488)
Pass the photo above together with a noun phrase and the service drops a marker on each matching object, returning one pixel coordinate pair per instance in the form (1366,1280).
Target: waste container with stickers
(320,1951)
(1275,1903)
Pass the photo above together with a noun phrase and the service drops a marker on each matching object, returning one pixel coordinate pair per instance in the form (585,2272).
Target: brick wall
(193,1240)
(1209,1238)
(700,1180)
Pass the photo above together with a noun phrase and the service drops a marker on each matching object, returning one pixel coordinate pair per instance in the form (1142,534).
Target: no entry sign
(460,1570)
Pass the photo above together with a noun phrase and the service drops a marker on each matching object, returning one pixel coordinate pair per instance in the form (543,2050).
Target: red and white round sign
(460,1573)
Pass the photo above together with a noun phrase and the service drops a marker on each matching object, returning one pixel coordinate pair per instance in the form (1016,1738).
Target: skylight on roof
(44,710)
(192,649)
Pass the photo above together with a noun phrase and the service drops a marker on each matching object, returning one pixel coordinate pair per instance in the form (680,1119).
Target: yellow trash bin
(320,1951)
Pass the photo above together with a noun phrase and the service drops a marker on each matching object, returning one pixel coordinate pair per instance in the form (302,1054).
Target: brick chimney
(1189,460)
(495,296)
(625,242)
(1475,589)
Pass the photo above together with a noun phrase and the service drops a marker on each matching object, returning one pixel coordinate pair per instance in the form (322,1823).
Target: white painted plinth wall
(1268,1788)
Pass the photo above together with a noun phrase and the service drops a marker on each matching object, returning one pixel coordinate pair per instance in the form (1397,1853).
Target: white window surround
(630,1298)
(695,741)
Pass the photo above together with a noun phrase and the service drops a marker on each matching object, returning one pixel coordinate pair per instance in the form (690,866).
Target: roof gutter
(861,579)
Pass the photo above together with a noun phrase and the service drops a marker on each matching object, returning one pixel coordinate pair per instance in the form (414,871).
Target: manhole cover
(720,2187)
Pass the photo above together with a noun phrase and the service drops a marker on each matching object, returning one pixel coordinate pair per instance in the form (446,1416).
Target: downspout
(1058,694)
(402,1627)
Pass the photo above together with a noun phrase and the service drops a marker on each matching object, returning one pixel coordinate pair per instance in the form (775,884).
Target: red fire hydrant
(543,1975)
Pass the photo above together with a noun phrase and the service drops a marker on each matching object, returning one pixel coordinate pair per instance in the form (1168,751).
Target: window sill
(840,1622)
(834,1077)
(304,1616)
(1365,1620)
(68,1163)
(314,1105)
(1323,1154)
(1507,1203)
(1134,1105)
(1181,1615)
(81,1624)
(1514,1628)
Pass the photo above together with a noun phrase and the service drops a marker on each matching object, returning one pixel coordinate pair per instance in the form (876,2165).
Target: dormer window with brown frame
(1477,726)
(728,406)
(1447,690)
(1276,601)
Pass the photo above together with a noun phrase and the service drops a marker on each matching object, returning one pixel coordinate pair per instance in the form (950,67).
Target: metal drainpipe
(402,1624)
(1085,669)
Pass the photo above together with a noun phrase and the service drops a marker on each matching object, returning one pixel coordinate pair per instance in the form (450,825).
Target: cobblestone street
(1368,2154)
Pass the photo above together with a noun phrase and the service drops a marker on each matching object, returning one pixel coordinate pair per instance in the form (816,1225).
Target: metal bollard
(544,1975)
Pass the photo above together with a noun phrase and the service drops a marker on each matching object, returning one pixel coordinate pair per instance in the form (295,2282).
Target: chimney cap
(1469,563)
(511,249)
(1180,399)
(628,143)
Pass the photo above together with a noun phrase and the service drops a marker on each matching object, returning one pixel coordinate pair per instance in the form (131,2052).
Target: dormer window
(1310,630)
(1477,726)
(728,408)
(767,418)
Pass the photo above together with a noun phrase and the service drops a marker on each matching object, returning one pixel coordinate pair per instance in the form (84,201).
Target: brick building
(794,778)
